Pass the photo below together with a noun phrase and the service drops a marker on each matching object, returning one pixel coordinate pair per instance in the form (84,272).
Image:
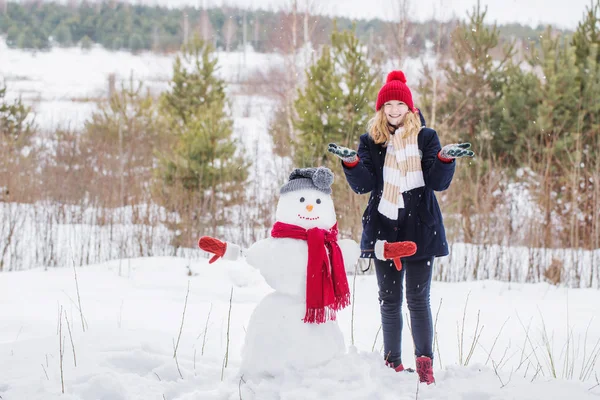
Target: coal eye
(301,199)
(318,201)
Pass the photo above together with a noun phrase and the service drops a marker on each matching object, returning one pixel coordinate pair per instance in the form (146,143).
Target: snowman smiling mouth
(308,218)
(309,208)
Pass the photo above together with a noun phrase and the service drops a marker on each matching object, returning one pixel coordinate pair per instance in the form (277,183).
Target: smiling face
(395,111)
(306,208)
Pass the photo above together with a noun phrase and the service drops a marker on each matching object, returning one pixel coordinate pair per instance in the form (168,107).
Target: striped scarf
(401,172)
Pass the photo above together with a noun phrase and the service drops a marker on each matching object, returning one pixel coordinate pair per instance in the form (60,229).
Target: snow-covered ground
(133,314)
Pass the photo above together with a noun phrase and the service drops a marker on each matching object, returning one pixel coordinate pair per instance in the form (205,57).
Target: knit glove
(347,155)
(385,250)
(456,150)
(214,246)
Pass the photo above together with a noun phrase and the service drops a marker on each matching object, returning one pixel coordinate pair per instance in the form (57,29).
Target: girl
(401,163)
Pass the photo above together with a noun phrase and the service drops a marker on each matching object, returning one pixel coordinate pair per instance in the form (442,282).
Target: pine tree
(558,109)
(472,86)
(472,79)
(195,84)
(589,187)
(335,106)
(319,107)
(589,95)
(119,140)
(513,120)
(17,167)
(554,141)
(337,101)
(588,34)
(585,144)
(62,35)
(16,124)
(586,41)
(12,36)
(86,43)
(26,39)
(136,43)
(202,173)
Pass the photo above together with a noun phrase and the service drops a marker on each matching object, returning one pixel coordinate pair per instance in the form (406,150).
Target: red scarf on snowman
(326,282)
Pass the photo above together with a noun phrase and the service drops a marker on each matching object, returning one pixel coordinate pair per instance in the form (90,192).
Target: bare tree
(435,72)
(229,31)
(256,34)
(206,28)
(186,27)
(595,228)
(13,217)
(244,34)
(155,39)
(400,27)
(296,78)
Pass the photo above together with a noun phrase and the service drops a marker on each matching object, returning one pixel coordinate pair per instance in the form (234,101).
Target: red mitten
(397,250)
(212,245)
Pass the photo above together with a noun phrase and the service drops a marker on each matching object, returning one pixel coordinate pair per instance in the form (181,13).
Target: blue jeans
(418,284)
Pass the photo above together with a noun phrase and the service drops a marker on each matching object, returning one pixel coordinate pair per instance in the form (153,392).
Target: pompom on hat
(395,89)
(319,178)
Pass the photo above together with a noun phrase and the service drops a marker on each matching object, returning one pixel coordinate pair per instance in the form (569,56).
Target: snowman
(295,326)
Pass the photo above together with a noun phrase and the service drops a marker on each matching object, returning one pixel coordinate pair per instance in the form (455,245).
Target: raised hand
(214,246)
(346,154)
(456,150)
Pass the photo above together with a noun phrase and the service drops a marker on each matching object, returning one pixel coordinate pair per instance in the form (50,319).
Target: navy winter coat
(421,220)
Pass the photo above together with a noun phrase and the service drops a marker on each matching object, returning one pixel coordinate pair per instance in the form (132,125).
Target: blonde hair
(379,130)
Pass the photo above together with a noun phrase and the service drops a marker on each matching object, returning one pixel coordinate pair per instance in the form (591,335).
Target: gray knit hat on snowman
(319,178)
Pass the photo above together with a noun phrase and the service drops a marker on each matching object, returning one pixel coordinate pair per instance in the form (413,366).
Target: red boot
(425,370)
(399,368)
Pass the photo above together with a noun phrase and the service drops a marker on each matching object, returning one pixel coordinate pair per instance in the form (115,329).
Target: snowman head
(306,199)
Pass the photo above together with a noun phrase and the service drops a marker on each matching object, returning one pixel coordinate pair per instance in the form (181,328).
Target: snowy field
(62,85)
(133,315)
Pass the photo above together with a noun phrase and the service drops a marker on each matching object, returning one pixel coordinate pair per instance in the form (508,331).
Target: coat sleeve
(437,174)
(361,177)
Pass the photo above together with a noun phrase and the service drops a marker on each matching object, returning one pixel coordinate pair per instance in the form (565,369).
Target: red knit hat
(395,89)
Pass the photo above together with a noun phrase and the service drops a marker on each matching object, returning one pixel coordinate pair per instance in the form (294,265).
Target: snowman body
(277,337)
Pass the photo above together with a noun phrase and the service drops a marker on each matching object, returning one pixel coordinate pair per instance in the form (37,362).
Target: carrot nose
(309,207)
